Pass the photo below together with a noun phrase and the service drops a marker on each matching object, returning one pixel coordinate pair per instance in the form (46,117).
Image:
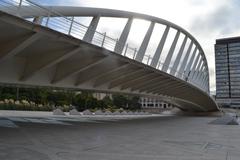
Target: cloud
(223,21)
(219,22)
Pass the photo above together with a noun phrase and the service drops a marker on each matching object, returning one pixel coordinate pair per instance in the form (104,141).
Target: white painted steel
(160,48)
(184,62)
(57,18)
(170,53)
(91,29)
(178,58)
(123,38)
(190,63)
(145,43)
(194,67)
(30,9)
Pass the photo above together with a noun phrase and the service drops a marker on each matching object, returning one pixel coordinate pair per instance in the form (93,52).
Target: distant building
(147,104)
(100,96)
(154,105)
(227,55)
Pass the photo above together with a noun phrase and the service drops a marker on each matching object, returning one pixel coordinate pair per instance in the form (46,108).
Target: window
(164,105)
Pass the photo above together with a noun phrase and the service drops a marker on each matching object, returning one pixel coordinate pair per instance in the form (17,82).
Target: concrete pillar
(170,53)
(186,73)
(145,42)
(160,48)
(123,38)
(91,29)
(184,62)
(179,55)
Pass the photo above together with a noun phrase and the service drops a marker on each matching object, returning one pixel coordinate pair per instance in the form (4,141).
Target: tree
(82,101)
(107,102)
(133,102)
(120,101)
(79,102)
(7,93)
(126,102)
(85,100)
(59,98)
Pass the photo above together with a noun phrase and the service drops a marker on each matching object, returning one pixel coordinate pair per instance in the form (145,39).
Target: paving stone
(225,120)
(7,123)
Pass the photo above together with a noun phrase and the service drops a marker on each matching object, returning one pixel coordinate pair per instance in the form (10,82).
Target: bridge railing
(68,25)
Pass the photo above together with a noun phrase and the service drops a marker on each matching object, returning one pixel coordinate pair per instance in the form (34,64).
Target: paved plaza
(42,136)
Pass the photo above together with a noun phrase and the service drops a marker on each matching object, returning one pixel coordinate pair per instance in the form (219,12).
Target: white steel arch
(64,11)
(61,18)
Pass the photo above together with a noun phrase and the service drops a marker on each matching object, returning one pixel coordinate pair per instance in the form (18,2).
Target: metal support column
(198,77)
(145,42)
(197,70)
(159,48)
(179,55)
(170,53)
(91,29)
(186,73)
(184,62)
(194,66)
(123,38)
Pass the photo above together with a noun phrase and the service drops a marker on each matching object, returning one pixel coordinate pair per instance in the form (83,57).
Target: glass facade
(227,58)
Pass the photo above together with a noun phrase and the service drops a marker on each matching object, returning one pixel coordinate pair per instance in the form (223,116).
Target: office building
(227,56)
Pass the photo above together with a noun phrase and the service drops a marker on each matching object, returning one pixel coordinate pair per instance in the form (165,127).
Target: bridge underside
(33,55)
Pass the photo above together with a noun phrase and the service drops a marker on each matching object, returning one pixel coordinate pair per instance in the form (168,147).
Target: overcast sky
(206,20)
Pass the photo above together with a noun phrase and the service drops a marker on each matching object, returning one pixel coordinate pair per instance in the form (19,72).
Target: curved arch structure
(47,47)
